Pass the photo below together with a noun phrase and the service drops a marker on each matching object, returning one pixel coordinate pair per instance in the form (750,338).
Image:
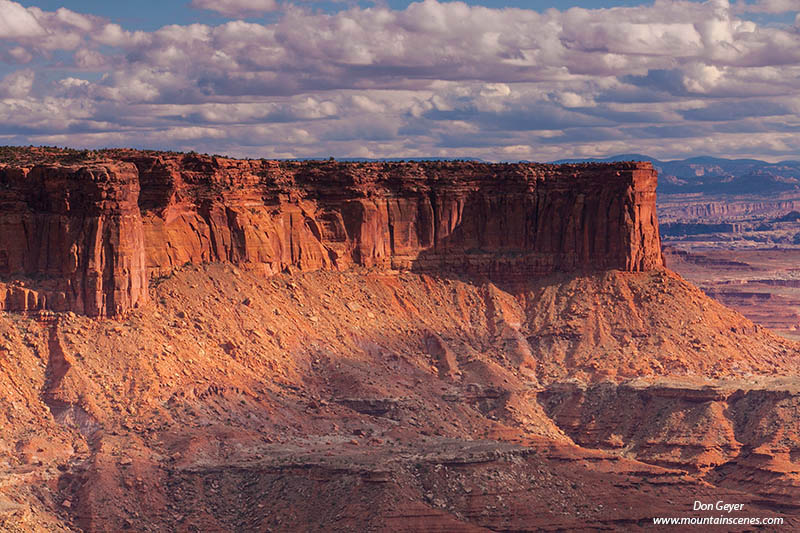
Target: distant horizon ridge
(633,156)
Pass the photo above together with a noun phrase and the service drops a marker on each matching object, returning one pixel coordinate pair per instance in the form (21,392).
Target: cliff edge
(84,233)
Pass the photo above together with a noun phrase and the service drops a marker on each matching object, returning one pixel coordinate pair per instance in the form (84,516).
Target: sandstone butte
(194,343)
(87,236)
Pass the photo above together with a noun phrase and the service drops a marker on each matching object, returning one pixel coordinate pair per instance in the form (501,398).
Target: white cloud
(114,35)
(438,78)
(701,78)
(19,55)
(17,84)
(77,20)
(18,22)
(237,8)
(571,99)
(39,32)
(91,59)
(73,83)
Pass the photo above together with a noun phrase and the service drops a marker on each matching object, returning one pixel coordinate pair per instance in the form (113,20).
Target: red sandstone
(86,236)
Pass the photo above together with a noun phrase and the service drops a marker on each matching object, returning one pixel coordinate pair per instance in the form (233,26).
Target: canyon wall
(690,208)
(71,238)
(87,235)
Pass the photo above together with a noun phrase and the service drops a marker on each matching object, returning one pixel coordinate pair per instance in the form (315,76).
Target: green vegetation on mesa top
(37,155)
(22,155)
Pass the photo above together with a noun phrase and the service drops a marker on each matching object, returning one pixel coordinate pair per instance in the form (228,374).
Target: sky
(500,80)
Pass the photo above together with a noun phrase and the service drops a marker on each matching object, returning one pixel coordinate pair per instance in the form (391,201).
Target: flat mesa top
(33,156)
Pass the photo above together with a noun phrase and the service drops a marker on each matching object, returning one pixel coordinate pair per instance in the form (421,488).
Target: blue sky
(499,80)
(152,14)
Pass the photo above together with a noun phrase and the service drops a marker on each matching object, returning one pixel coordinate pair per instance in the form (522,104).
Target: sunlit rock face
(86,235)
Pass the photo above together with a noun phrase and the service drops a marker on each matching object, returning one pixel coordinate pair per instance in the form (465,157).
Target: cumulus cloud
(17,84)
(437,78)
(18,55)
(37,32)
(18,22)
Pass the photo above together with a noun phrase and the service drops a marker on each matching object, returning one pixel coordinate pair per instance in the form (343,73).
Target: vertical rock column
(71,238)
(108,252)
(645,239)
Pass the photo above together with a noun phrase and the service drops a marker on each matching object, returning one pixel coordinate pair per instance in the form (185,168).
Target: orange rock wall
(71,239)
(86,237)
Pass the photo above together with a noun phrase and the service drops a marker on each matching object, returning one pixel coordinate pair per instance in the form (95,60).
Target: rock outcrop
(85,235)
(71,238)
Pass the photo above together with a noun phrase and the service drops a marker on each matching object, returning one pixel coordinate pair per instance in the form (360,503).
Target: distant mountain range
(391,159)
(714,175)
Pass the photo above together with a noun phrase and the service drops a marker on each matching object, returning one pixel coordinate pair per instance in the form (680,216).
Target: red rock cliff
(85,236)
(71,238)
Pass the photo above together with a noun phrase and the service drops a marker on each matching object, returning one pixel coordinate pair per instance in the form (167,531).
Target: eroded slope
(387,400)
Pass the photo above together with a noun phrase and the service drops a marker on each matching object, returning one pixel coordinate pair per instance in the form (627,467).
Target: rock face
(71,238)
(85,235)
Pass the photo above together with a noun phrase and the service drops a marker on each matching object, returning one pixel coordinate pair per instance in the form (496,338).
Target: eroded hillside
(393,400)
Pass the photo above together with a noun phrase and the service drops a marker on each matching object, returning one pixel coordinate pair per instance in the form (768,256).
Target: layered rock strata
(86,235)
(71,238)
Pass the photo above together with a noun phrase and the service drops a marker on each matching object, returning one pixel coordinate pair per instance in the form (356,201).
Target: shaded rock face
(71,238)
(86,237)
